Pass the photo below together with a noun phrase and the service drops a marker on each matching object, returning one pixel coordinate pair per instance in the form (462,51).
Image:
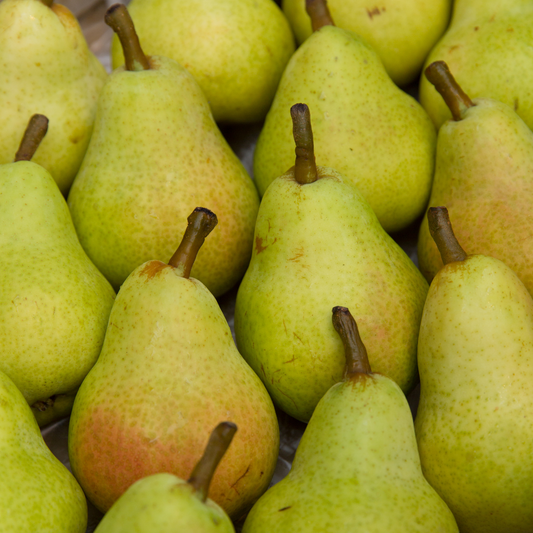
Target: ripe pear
(156,153)
(236,49)
(169,371)
(47,68)
(474,423)
(357,466)
(484,176)
(318,240)
(488,49)
(54,304)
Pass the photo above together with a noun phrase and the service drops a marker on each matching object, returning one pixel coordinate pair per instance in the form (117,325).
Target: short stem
(118,18)
(354,349)
(47,2)
(442,232)
(456,99)
(319,13)
(305,166)
(204,470)
(35,131)
(201,223)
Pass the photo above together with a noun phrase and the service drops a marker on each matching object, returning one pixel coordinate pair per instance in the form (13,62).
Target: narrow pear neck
(441,230)
(305,166)
(319,14)
(465,10)
(34,134)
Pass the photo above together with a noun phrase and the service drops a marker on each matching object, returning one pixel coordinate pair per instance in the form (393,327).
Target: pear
(402,32)
(54,304)
(318,240)
(474,424)
(357,466)
(47,68)
(156,154)
(378,137)
(484,176)
(236,49)
(164,503)
(488,48)
(169,371)
(37,492)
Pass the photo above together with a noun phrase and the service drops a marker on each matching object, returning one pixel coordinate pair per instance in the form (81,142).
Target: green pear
(54,304)
(318,241)
(169,371)
(484,176)
(47,68)
(163,503)
(474,424)
(357,466)
(402,32)
(236,49)
(488,48)
(37,492)
(156,154)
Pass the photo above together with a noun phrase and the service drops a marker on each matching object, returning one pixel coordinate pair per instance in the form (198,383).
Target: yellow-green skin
(164,503)
(374,134)
(156,154)
(54,304)
(318,246)
(356,469)
(37,492)
(235,49)
(488,50)
(474,423)
(402,32)
(484,176)
(47,68)
(169,372)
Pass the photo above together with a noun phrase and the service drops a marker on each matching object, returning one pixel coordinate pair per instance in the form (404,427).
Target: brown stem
(118,18)
(201,223)
(47,2)
(456,99)
(442,232)
(319,13)
(354,349)
(305,166)
(35,131)
(204,470)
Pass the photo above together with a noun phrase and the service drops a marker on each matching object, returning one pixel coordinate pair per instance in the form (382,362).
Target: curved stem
(456,99)
(118,18)
(204,470)
(201,223)
(354,349)
(319,14)
(35,131)
(441,230)
(305,166)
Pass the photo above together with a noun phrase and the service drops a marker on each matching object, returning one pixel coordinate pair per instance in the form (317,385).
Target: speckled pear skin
(474,423)
(317,246)
(168,373)
(37,492)
(164,503)
(378,137)
(356,469)
(54,304)
(484,176)
(402,32)
(488,50)
(47,68)
(156,155)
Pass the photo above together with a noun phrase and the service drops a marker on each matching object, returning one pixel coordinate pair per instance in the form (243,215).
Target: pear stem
(456,99)
(356,355)
(35,131)
(441,230)
(201,223)
(204,470)
(119,19)
(305,166)
(318,13)
(47,2)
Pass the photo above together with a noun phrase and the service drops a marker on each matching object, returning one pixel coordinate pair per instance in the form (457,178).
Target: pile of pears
(374,263)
